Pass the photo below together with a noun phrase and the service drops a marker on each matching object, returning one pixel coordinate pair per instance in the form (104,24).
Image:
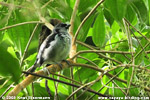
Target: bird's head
(62,27)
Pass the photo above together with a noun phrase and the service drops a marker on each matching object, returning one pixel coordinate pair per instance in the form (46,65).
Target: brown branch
(30,78)
(47,24)
(55,68)
(37,75)
(73,47)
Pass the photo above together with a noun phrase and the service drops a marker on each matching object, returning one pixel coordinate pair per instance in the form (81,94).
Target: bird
(55,48)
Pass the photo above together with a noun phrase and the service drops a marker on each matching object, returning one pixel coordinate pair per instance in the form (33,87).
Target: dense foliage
(116,36)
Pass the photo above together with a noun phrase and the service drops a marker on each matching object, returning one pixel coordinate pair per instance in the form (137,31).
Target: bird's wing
(44,45)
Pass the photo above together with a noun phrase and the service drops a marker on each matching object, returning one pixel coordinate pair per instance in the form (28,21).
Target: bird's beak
(67,26)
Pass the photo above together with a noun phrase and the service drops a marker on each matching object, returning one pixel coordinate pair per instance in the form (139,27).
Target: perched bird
(54,48)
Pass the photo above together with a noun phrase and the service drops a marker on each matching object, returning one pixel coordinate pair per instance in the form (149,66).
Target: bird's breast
(59,49)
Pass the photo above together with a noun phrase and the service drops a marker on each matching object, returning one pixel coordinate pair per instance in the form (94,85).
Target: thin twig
(99,51)
(114,43)
(10,86)
(139,43)
(55,68)
(127,31)
(100,70)
(136,29)
(142,50)
(108,81)
(119,87)
(27,46)
(129,65)
(32,90)
(47,4)
(112,87)
(30,22)
(12,5)
(56,88)
(101,55)
(67,78)
(85,85)
(91,84)
(47,24)
(84,20)
(71,95)
(34,74)
(47,88)
(88,61)
(126,57)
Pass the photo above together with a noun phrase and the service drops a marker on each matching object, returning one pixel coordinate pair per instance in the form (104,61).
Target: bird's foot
(60,65)
(67,62)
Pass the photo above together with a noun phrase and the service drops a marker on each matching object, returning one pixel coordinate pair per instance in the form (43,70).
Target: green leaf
(31,57)
(1,36)
(140,57)
(90,56)
(99,30)
(40,91)
(117,8)
(115,28)
(140,9)
(122,47)
(130,14)
(85,28)
(84,76)
(108,16)
(117,91)
(59,9)
(12,52)
(83,5)
(9,65)
(19,35)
